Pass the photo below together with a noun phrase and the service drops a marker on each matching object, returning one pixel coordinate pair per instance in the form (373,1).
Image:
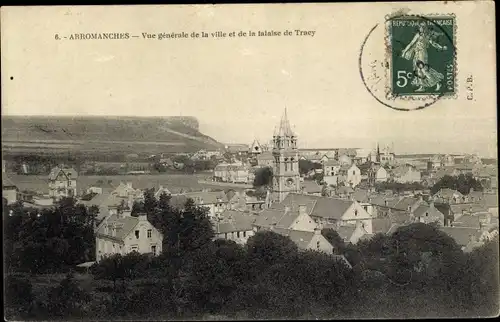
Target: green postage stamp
(422,56)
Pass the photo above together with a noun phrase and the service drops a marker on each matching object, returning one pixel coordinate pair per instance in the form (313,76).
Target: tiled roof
(265,156)
(405,202)
(448,193)
(461,235)
(300,238)
(234,221)
(470,221)
(207,197)
(490,201)
(7,182)
(345,190)
(361,195)
(331,163)
(323,207)
(401,170)
(277,217)
(381,225)
(67,171)
(345,232)
(123,226)
(311,186)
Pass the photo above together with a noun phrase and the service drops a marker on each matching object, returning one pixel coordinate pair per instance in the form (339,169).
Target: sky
(239,87)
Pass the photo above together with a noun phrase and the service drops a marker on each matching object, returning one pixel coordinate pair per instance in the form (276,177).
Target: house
(307,240)
(9,190)
(384,226)
(449,196)
(428,214)
(123,234)
(215,201)
(354,233)
(237,149)
(378,174)
(255,148)
(311,187)
(234,225)
(100,187)
(231,172)
(345,159)
(244,201)
(62,182)
(406,174)
(351,173)
(285,217)
(445,171)
(326,212)
(467,238)
(160,191)
(344,192)
(331,169)
(362,156)
(124,190)
(265,159)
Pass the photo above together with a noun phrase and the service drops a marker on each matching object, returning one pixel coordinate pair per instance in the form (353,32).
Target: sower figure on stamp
(425,76)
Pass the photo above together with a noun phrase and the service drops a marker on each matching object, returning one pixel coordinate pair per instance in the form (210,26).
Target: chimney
(302,209)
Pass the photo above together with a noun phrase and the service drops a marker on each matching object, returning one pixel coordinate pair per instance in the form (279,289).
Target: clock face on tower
(290,182)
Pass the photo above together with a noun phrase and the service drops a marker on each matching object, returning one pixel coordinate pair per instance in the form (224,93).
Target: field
(173,182)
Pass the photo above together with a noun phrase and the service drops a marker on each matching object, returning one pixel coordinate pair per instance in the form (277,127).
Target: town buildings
(62,182)
(9,190)
(122,233)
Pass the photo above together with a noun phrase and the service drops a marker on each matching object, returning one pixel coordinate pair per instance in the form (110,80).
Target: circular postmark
(409,62)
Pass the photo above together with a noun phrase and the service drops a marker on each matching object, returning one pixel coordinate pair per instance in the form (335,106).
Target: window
(153,249)
(238,234)
(317,244)
(244,234)
(149,233)
(137,234)
(426,214)
(353,172)
(225,236)
(355,212)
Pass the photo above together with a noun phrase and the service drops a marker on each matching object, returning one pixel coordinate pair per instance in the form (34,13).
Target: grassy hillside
(103,135)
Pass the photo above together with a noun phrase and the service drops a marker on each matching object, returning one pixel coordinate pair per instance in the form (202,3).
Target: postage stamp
(422,56)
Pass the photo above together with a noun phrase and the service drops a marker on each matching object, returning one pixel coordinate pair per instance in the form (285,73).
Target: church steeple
(286,160)
(284,128)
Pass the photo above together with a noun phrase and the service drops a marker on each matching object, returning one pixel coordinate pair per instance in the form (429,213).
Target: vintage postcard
(250,161)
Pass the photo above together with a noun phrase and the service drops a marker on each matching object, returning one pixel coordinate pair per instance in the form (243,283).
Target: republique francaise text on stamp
(422,56)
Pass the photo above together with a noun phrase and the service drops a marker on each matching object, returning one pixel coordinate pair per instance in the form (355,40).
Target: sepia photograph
(250,161)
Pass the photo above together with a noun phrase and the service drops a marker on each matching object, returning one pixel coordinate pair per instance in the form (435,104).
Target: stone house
(123,234)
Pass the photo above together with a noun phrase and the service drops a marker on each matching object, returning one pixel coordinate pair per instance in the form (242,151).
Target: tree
(333,238)
(18,296)
(150,202)
(164,202)
(263,177)
(267,247)
(68,299)
(462,183)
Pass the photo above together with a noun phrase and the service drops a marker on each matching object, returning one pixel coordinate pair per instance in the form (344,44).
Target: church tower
(286,177)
